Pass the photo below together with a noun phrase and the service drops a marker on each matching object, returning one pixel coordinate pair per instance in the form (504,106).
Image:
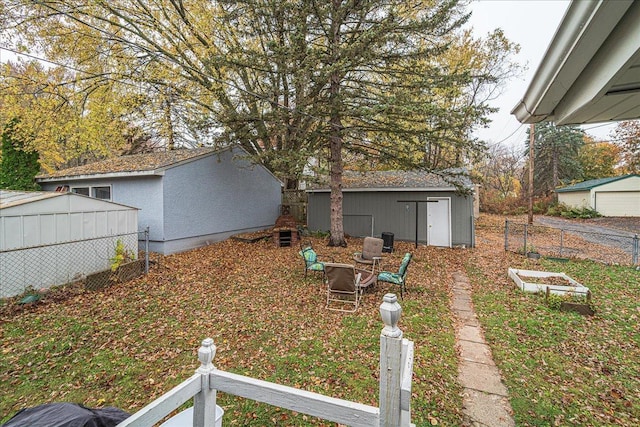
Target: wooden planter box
(541,281)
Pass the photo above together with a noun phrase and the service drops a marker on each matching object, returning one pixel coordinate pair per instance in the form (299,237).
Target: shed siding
(56,240)
(577,199)
(389,214)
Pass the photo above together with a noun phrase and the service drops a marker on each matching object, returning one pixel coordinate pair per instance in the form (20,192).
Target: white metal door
(439,222)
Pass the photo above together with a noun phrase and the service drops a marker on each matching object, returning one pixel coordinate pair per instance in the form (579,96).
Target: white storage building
(53,238)
(613,196)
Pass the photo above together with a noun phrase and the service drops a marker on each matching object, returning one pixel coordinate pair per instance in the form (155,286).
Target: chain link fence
(41,267)
(567,243)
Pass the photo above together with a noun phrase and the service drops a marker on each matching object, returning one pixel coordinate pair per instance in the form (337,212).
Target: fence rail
(571,243)
(44,266)
(396,371)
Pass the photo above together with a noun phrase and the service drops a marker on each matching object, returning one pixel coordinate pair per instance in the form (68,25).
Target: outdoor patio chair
(345,285)
(371,253)
(312,261)
(399,278)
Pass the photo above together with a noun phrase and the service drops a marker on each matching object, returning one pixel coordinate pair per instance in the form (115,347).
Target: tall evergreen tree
(557,156)
(18,167)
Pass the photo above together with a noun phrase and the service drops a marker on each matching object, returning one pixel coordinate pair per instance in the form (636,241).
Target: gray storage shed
(187,197)
(52,238)
(412,205)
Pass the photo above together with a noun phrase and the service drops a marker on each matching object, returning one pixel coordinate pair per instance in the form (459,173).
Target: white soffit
(591,70)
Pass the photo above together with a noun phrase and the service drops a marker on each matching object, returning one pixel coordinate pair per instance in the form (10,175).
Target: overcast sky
(532,24)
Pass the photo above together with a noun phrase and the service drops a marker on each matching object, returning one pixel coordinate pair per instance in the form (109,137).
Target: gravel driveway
(614,232)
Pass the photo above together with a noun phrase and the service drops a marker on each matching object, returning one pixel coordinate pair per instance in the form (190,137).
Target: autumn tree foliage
(627,136)
(289,80)
(18,166)
(598,159)
(61,119)
(500,173)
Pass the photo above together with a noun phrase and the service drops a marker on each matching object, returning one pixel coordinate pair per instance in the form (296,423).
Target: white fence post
(204,403)
(390,362)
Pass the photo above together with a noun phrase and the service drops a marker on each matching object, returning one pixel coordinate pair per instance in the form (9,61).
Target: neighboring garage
(412,205)
(613,196)
(50,238)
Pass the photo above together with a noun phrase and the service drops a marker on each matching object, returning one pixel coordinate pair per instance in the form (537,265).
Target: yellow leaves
(58,120)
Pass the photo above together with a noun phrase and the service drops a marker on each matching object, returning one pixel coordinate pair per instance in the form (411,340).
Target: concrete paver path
(485,400)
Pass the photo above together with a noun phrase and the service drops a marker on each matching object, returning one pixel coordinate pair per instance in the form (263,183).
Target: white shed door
(439,222)
(618,203)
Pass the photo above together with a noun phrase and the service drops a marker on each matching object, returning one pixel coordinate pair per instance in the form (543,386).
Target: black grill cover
(67,415)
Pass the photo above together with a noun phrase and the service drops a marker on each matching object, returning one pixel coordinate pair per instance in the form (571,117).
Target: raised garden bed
(541,281)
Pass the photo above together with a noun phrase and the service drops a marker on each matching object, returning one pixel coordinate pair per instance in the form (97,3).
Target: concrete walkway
(485,400)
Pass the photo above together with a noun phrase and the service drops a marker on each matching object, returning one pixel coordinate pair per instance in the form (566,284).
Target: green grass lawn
(126,345)
(563,368)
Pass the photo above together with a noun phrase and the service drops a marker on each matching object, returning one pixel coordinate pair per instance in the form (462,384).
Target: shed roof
(10,198)
(592,183)
(400,181)
(136,164)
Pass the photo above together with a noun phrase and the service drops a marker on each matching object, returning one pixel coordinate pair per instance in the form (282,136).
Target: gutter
(584,28)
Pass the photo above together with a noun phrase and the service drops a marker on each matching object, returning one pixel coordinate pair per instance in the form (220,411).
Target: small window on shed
(103,193)
(81,190)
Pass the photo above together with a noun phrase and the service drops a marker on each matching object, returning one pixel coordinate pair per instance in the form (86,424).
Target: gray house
(187,198)
(414,206)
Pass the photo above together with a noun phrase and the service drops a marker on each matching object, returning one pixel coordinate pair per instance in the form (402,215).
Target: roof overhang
(110,175)
(591,70)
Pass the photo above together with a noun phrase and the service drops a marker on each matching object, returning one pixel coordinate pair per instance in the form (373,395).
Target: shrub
(560,209)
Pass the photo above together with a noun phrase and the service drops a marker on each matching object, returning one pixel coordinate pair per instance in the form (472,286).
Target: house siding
(192,203)
(214,197)
(387,213)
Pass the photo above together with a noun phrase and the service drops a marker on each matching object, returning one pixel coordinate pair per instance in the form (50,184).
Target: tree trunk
(337,228)
(335,138)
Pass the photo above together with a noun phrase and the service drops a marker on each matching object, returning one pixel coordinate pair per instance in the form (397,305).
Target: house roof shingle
(592,183)
(131,164)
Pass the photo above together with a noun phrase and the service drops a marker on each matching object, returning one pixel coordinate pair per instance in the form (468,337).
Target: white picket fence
(396,370)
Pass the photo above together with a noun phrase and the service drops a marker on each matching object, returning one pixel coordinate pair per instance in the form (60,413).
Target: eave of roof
(592,183)
(586,75)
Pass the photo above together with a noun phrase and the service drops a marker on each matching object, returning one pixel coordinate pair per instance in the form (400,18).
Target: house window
(81,190)
(103,193)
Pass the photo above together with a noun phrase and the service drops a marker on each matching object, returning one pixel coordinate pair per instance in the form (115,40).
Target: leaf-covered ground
(128,344)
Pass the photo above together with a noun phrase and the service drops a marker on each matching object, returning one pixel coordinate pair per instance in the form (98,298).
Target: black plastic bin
(387,242)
